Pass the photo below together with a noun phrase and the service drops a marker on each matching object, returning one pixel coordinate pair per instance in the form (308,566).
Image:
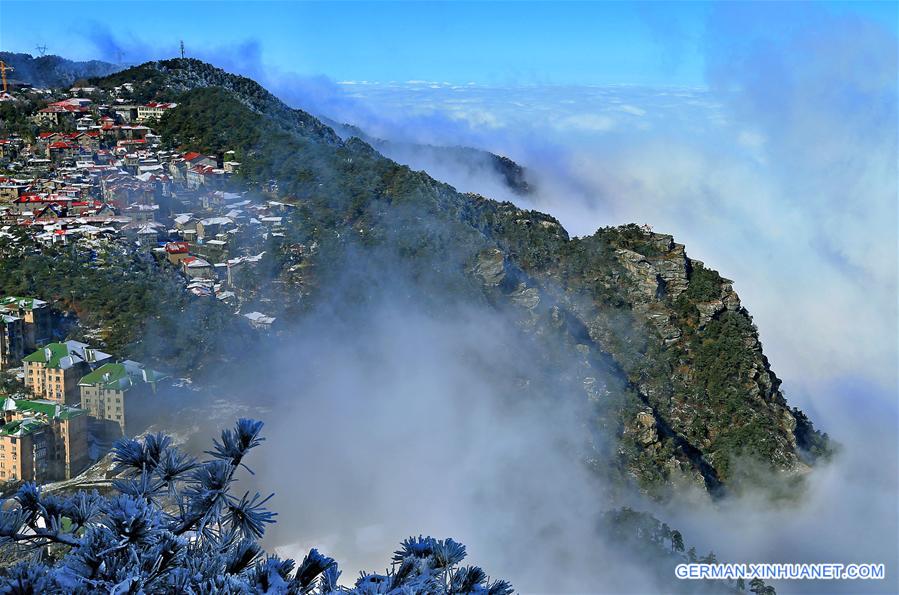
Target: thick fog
(780,173)
(402,421)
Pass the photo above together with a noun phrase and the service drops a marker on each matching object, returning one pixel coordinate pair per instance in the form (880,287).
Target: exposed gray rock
(490,267)
(708,311)
(642,272)
(731,299)
(672,268)
(647,433)
(526,297)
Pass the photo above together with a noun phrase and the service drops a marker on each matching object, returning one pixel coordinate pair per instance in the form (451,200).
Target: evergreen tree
(174,525)
(677,541)
(759,587)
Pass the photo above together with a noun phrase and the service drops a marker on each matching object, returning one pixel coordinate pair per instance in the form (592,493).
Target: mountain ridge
(54,71)
(668,357)
(470,160)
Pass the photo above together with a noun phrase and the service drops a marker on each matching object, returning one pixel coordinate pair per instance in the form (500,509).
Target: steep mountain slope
(54,71)
(657,344)
(467,161)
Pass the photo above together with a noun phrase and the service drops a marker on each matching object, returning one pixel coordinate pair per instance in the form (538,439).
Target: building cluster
(98,175)
(73,391)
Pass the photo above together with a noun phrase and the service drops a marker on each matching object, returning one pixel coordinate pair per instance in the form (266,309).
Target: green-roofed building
(115,394)
(24,449)
(42,440)
(52,372)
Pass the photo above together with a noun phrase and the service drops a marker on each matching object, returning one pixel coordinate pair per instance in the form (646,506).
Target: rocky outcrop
(703,395)
(721,396)
(656,277)
(646,431)
(490,267)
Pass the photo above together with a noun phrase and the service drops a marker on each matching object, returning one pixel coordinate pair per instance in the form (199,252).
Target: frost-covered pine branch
(174,525)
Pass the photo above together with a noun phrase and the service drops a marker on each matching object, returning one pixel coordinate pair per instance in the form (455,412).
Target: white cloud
(590,122)
(632,109)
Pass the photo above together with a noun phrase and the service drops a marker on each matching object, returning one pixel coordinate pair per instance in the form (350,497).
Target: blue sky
(493,43)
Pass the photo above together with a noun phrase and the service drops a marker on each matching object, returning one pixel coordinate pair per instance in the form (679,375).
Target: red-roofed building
(34,203)
(194,159)
(177,251)
(177,247)
(61,112)
(61,150)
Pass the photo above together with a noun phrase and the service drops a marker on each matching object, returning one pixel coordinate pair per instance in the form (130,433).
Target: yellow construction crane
(3,69)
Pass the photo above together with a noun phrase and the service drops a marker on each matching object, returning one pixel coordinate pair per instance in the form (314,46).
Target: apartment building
(23,450)
(115,395)
(153,110)
(42,440)
(12,341)
(53,372)
(37,319)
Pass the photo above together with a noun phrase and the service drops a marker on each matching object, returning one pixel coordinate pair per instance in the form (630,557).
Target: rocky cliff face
(658,345)
(707,386)
(696,393)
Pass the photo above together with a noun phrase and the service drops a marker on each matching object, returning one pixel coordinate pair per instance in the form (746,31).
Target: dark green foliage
(705,284)
(721,360)
(15,118)
(631,237)
(677,541)
(659,548)
(225,123)
(139,309)
(814,445)
(533,239)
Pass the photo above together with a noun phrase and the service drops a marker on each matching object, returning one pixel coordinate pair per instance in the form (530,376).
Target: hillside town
(95,176)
